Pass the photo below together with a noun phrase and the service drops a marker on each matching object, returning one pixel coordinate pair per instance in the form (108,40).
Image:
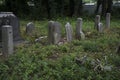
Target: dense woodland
(52,8)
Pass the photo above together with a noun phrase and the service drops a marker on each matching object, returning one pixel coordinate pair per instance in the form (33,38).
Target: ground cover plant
(94,58)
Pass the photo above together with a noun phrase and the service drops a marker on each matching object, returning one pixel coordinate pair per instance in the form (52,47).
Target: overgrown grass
(94,58)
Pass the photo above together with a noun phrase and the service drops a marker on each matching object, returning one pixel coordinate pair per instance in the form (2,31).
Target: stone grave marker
(100,27)
(54,32)
(30,27)
(108,15)
(79,32)
(8,18)
(57,32)
(97,21)
(69,32)
(7,40)
(50,32)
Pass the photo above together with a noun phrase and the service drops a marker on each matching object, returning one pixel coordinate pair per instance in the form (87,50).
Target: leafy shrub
(91,46)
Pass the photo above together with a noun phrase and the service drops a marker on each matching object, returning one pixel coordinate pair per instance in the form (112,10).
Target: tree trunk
(109,8)
(60,7)
(104,7)
(48,9)
(78,8)
(72,6)
(99,2)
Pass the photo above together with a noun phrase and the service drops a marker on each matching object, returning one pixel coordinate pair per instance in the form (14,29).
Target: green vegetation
(94,58)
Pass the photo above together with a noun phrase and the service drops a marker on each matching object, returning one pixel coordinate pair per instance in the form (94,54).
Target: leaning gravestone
(8,18)
(30,27)
(69,32)
(54,32)
(7,40)
(97,21)
(79,32)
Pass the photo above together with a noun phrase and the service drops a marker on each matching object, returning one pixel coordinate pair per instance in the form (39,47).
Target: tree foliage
(106,6)
(16,6)
(52,8)
(45,8)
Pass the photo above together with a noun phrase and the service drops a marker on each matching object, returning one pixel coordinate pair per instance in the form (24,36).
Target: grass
(94,58)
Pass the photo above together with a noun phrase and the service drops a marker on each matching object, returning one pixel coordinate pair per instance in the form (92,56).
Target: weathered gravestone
(79,32)
(69,32)
(7,40)
(108,20)
(100,27)
(30,27)
(54,32)
(8,18)
(97,21)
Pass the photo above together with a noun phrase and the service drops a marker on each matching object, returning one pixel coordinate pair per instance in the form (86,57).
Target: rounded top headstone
(79,19)
(98,16)
(67,24)
(107,13)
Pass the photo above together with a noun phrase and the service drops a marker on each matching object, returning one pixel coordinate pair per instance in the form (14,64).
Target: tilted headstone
(54,32)
(69,32)
(79,32)
(108,20)
(7,40)
(30,27)
(100,27)
(97,21)
(8,18)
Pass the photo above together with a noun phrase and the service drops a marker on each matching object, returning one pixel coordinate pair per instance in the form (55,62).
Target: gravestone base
(16,43)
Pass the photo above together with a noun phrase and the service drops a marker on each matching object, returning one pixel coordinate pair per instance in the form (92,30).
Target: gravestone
(54,32)
(69,32)
(79,32)
(30,27)
(7,40)
(108,21)
(50,32)
(57,32)
(8,18)
(97,21)
(100,27)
